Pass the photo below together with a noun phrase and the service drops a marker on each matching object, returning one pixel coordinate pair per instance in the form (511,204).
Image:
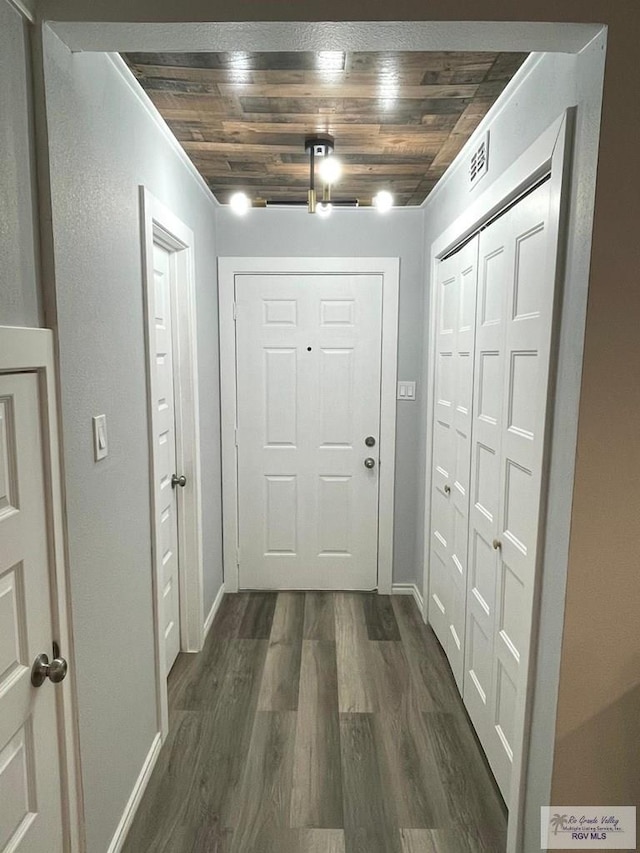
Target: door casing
(389,269)
(32,350)
(160,225)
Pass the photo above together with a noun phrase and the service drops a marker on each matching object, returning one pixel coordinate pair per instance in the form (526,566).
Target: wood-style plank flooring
(318,723)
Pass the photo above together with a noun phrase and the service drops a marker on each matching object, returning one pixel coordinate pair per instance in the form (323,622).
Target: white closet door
(309,366)
(513,342)
(457,279)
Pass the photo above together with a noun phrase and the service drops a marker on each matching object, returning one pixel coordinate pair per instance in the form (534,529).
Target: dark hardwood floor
(318,723)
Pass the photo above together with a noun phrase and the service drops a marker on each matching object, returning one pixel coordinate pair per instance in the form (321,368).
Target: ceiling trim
(136,89)
(24,8)
(494,36)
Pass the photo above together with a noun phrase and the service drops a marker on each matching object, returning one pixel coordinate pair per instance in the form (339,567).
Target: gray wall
(548,85)
(357,233)
(19,276)
(103,145)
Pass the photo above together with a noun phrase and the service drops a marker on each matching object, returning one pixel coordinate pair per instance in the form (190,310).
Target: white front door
(456,305)
(165,451)
(308,386)
(513,344)
(30,800)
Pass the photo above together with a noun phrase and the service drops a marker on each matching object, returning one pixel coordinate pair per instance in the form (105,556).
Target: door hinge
(235,310)
(235,436)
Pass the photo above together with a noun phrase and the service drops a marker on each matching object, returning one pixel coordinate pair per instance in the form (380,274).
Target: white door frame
(161,226)
(389,269)
(549,155)
(32,350)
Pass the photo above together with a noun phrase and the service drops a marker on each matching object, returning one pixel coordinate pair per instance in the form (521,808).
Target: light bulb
(383,201)
(324,209)
(240,203)
(329,169)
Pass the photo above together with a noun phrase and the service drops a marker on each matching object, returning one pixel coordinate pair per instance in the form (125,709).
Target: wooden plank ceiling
(398,119)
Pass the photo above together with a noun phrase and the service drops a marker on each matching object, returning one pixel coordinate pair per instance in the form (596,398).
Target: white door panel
(308,362)
(30,804)
(513,341)
(165,452)
(457,277)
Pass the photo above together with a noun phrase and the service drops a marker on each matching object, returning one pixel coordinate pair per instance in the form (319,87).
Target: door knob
(178,481)
(370,441)
(55,671)
(497,544)
(369,462)
(447,489)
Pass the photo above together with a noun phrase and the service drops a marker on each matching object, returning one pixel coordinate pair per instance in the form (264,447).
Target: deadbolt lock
(370,441)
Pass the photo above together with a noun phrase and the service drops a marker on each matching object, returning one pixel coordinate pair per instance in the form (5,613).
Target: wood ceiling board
(399,119)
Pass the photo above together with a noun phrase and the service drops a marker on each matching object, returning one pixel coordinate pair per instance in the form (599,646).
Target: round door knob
(178,481)
(447,489)
(369,462)
(497,544)
(55,671)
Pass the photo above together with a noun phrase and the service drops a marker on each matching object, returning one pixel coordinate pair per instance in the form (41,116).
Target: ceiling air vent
(479,162)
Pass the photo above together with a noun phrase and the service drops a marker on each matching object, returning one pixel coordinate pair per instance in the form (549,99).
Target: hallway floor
(318,723)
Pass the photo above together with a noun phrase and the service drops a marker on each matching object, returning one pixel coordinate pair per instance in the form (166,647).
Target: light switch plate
(406,390)
(100,444)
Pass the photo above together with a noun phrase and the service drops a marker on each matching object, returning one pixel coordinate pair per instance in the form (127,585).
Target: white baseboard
(208,622)
(409,589)
(139,788)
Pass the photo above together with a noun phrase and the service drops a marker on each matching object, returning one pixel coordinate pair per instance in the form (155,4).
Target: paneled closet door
(513,342)
(456,281)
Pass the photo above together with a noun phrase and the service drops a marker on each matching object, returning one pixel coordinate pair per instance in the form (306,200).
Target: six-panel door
(513,343)
(308,373)
(30,785)
(456,305)
(165,451)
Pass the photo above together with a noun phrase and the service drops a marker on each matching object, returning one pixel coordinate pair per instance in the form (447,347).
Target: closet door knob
(497,544)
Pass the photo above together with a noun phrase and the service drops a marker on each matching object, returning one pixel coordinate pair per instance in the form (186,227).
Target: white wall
(19,270)
(357,233)
(103,145)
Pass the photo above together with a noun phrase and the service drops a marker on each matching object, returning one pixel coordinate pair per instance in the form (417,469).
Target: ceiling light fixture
(325,168)
(383,201)
(240,203)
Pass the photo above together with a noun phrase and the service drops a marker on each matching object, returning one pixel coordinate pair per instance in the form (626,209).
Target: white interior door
(456,306)
(30,802)
(513,341)
(165,451)
(308,380)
